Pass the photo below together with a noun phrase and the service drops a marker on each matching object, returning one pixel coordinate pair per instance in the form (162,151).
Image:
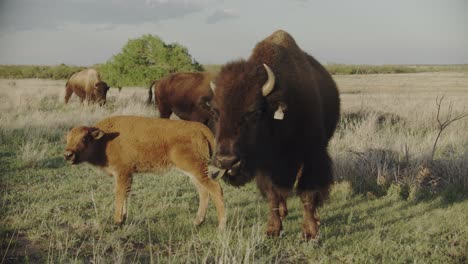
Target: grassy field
(392,202)
(345,69)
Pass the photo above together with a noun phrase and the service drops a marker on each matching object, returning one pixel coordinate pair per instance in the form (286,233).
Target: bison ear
(97,134)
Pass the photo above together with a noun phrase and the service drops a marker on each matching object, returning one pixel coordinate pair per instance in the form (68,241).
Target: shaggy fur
(87,85)
(124,145)
(277,153)
(184,94)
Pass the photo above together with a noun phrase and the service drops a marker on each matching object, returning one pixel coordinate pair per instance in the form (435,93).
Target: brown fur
(87,85)
(184,94)
(124,145)
(278,154)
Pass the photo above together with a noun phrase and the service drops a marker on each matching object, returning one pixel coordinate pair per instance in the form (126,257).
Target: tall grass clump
(32,153)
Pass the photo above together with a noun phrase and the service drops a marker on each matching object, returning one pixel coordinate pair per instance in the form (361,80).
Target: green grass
(383,209)
(55,72)
(63,71)
(64,214)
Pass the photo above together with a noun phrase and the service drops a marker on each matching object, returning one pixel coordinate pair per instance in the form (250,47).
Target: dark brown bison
(275,114)
(87,85)
(184,94)
(124,145)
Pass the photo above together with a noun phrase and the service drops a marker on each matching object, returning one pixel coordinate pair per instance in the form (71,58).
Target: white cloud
(220,15)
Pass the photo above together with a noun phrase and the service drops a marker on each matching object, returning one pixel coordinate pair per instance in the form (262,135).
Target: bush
(145,59)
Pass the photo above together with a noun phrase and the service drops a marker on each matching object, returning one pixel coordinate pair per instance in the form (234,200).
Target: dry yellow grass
(51,212)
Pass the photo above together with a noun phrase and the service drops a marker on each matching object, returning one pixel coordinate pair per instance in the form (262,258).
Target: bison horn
(270,83)
(213,86)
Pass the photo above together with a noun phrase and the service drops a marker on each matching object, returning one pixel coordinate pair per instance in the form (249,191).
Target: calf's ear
(97,134)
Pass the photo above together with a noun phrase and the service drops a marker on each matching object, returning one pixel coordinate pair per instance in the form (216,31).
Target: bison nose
(69,155)
(226,161)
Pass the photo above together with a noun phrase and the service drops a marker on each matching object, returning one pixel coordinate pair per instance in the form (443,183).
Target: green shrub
(145,59)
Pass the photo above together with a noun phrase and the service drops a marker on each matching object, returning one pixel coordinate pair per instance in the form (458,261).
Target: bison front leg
(311,221)
(123,184)
(313,187)
(282,207)
(274,225)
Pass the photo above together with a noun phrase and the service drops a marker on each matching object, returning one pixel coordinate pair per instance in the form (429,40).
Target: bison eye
(84,140)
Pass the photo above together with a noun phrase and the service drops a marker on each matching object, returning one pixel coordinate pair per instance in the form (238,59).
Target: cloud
(51,14)
(220,15)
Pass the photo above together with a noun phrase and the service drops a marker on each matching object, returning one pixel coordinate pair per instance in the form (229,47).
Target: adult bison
(275,114)
(184,94)
(87,85)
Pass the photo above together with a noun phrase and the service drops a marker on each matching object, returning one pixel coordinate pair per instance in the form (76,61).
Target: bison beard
(276,113)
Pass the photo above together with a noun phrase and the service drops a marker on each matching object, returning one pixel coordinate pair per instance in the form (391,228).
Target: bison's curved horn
(270,83)
(212,86)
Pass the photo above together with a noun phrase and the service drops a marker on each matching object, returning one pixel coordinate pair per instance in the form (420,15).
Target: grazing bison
(184,94)
(275,114)
(87,85)
(124,145)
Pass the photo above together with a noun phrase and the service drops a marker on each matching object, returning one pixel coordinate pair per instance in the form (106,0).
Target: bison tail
(150,92)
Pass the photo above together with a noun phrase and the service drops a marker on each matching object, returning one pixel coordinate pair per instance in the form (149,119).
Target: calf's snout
(69,155)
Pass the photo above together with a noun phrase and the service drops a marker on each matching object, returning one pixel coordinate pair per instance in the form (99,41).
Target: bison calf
(124,145)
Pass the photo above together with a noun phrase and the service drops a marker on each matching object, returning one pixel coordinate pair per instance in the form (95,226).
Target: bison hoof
(309,232)
(283,213)
(273,231)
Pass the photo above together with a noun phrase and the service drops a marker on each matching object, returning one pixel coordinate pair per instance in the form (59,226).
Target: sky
(86,32)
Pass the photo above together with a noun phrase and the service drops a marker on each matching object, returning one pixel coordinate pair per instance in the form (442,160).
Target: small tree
(145,59)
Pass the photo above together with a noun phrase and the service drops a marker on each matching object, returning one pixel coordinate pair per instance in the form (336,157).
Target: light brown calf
(124,145)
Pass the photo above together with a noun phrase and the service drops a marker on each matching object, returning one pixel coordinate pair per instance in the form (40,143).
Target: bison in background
(87,85)
(123,145)
(184,94)
(274,115)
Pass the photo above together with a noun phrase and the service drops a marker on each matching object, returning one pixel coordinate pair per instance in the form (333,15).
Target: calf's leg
(123,182)
(204,197)
(196,167)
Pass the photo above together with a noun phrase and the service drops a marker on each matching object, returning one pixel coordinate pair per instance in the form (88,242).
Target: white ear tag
(279,114)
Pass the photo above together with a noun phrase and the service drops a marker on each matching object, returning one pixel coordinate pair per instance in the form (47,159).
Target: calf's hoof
(198,221)
(222,225)
(119,221)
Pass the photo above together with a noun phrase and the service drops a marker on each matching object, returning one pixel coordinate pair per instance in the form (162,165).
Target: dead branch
(443,124)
